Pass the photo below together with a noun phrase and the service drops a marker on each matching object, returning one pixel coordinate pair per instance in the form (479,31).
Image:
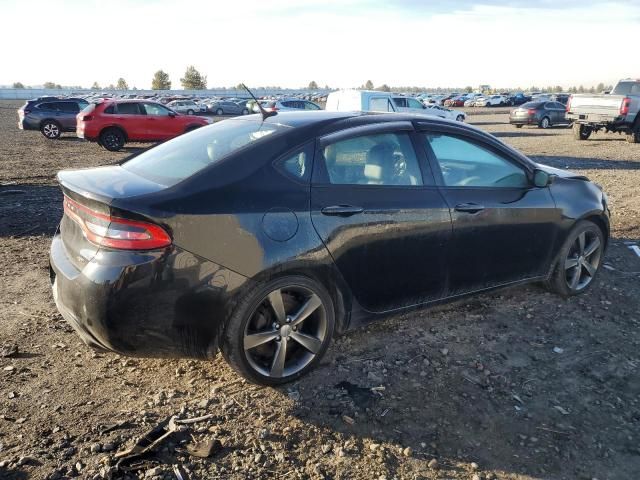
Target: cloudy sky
(341,43)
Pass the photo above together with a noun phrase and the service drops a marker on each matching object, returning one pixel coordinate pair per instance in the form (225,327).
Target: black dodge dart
(266,237)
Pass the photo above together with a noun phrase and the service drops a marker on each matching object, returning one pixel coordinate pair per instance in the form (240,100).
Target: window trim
(437,171)
(320,175)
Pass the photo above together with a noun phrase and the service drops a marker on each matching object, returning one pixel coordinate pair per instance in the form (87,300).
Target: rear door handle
(468,207)
(342,210)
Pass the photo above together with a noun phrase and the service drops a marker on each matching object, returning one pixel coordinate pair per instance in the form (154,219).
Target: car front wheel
(545,123)
(579,260)
(280,330)
(219,111)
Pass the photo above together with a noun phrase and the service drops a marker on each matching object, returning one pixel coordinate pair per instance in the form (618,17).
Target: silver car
(286,105)
(225,107)
(184,106)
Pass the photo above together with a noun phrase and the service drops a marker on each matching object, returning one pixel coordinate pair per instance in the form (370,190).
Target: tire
(581,132)
(256,313)
(245,111)
(190,112)
(634,136)
(219,111)
(51,129)
(460,118)
(518,125)
(545,123)
(578,262)
(112,139)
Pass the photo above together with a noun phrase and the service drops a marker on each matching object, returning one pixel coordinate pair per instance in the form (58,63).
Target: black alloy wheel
(280,331)
(112,139)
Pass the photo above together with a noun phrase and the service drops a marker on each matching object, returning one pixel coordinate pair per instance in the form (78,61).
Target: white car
(491,101)
(444,112)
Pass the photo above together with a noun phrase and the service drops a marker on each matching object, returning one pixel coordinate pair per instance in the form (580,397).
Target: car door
(68,117)
(503,226)
(377,210)
(561,112)
(132,118)
(160,123)
(400,104)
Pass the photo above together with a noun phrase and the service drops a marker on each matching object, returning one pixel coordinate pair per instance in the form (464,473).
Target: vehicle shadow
(513,381)
(585,163)
(7,473)
(28,210)
(523,134)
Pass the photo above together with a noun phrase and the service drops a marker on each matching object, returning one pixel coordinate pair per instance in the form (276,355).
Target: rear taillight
(569,103)
(87,118)
(531,111)
(624,108)
(26,112)
(114,232)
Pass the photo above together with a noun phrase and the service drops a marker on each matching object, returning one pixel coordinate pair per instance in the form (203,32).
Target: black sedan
(264,238)
(544,114)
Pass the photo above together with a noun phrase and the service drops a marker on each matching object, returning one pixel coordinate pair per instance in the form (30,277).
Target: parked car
(50,115)
(286,104)
(618,111)
(407,104)
(491,101)
(561,97)
(225,236)
(444,112)
(542,114)
(112,123)
(223,107)
(184,106)
(456,102)
(442,100)
(519,99)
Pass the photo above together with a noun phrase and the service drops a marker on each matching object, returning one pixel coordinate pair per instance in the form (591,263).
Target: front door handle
(342,210)
(468,207)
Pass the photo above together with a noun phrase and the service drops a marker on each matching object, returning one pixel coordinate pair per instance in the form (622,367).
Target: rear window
(531,105)
(177,159)
(627,88)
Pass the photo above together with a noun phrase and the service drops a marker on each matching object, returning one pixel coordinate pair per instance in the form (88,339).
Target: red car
(112,123)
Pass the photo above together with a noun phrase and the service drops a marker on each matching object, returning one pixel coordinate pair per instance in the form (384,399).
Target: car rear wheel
(280,330)
(518,125)
(190,112)
(51,129)
(634,136)
(579,260)
(460,118)
(245,111)
(112,139)
(581,132)
(219,111)
(545,123)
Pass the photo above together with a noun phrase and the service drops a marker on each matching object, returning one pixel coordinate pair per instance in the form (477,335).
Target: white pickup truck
(618,111)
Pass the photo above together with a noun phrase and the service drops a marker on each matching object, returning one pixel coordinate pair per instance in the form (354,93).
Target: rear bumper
(523,121)
(167,303)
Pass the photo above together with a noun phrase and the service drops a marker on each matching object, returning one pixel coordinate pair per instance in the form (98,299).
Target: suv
(112,123)
(50,115)
(184,106)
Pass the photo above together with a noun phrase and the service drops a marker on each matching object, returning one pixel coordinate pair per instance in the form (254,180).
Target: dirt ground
(517,384)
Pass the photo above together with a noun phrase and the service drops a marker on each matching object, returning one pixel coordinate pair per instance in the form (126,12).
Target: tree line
(194,80)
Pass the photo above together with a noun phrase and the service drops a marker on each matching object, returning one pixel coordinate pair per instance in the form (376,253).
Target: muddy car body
(330,220)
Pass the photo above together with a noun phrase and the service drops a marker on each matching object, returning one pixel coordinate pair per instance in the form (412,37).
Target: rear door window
(129,109)
(70,107)
(381,104)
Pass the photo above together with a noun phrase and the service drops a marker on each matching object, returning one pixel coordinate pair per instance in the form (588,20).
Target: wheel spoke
(592,247)
(277,366)
(575,277)
(255,339)
(307,309)
(589,268)
(312,344)
(581,242)
(275,299)
(570,263)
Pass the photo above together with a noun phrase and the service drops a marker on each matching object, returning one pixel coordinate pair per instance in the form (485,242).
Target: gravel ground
(517,384)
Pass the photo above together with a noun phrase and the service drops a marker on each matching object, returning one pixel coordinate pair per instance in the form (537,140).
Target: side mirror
(543,179)
(172,114)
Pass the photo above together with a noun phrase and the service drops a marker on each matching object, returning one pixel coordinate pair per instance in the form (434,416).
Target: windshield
(627,88)
(175,160)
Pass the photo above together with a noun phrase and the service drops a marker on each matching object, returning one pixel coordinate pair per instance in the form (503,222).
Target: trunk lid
(94,189)
(597,104)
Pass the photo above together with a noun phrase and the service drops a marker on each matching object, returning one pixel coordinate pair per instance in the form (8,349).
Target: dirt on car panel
(517,384)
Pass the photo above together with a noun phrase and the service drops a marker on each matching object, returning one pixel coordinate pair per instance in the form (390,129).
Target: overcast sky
(341,43)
